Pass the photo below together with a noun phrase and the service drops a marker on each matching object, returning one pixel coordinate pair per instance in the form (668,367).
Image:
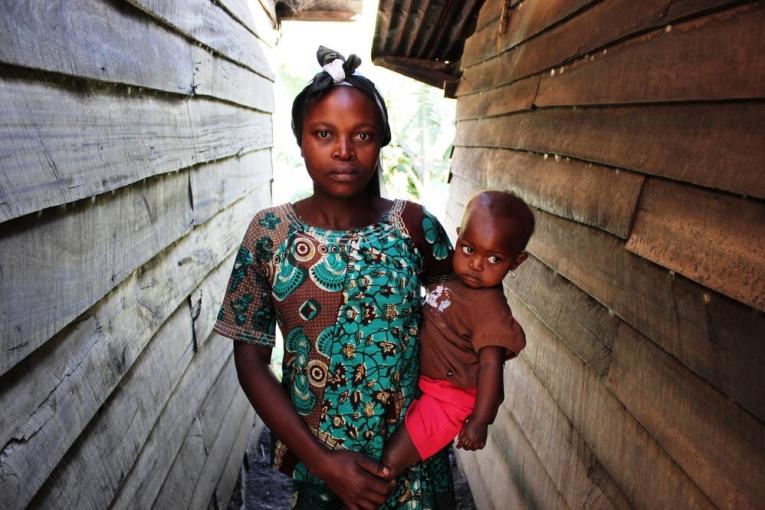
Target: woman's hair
(336,71)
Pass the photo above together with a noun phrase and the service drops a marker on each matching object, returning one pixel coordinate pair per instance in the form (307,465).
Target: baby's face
(484,253)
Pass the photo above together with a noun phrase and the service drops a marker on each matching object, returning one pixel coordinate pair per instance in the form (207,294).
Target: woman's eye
(493,259)
(467,250)
(323,133)
(363,137)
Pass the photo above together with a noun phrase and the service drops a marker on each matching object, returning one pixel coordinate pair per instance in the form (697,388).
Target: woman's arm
(488,398)
(353,477)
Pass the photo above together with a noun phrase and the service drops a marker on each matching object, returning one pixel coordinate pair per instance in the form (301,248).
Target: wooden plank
(490,10)
(78,38)
(529,18)
(254,17)
(591,194)
(711,58)
(695,424)
(223,490)
(714,336)
(140,485)
(64,262)
(530,411)
(217,184)
(462,190)
(178,486)
(524,465)
(719,445)
(108,447)
(601,25)
(492,488)
(517,96)
(661,140)
(483,44)
(232,426)
(714,239)
(208,24)
(581,323)
(50,397)
(59,145)
(206,300)
(647,476)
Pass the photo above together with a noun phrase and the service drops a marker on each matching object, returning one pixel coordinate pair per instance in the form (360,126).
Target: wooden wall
(635,131)
(135,145)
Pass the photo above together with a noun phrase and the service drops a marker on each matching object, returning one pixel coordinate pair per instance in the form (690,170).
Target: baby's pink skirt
(434,420)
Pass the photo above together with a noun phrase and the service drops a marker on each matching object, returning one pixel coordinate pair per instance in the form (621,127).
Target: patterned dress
(348,304)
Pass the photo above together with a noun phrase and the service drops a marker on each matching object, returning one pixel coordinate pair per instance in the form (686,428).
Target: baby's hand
(473,435)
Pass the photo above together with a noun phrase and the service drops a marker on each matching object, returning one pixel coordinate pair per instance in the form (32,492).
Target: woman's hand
(356,480)
(473,435)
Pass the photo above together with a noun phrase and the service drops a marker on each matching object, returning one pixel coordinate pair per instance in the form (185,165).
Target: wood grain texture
(141,484)
(55,386)
(215,185)
(530,411)
(515,97)
(95,40)
(710,58)
(581,323)
(591,194)
(178,486)
(601,25)
(714,336)
(711,238)
(663,140)
(64,262)
(493,489)
(207,23)
(647,476)
(59,145)
(254,17)
(719,445)
(109,446)
(524,465)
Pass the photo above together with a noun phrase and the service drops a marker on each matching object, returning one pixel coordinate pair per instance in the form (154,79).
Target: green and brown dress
(348,304)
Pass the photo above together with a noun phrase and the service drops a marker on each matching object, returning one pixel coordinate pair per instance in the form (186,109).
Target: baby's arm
(488,397)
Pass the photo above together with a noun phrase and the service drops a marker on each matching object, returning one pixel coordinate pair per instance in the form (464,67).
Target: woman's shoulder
(270,223)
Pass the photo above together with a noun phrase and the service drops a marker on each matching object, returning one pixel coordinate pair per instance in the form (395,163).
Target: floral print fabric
(348,305)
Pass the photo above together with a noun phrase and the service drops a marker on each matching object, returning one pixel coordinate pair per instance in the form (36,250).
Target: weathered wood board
(714,336)
(206,300)
(647,476)
(59,144)
(141,484)
(709,58)
(109,445)
(525,465)
(529,410)
(663,140)
(583,324)
(515,97)
(109,337)
(215,185)
(692,231)
(719,445)
(67,260)
(207,23)
(233,434)
(602,197)
(601,25)
(235,466)
(254,17)
(93,40)
(178,486)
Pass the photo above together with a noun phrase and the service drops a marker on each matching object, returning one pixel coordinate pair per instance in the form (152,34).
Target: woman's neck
(341,213)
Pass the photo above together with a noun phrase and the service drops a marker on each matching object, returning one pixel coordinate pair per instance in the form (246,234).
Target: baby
(467,334)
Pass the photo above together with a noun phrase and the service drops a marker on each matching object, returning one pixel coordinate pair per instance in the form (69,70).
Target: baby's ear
(519,259)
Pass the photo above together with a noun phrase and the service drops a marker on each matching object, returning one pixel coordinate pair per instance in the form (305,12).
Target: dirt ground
(267,489)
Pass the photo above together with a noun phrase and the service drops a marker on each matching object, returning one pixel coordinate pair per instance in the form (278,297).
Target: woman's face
(341,142)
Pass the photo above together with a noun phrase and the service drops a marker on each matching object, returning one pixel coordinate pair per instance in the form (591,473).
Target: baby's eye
(493,259)
(467,250)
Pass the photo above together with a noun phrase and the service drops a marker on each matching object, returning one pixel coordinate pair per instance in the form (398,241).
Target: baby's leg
(400,452)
